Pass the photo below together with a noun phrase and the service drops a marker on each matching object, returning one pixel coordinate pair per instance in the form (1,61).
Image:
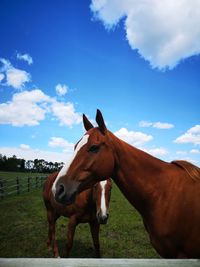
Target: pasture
(12,183)
(23,230)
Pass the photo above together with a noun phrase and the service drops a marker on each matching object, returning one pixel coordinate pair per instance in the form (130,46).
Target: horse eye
(94,148)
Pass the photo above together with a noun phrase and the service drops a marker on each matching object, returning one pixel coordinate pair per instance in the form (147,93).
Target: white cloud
(65,113)
(194,130)
(145,123)
(35,95)
(30,107)
(59,142)
(133,138)
(163,32)
(138,139)
(24,146)
(31,154)
(158,125)
(191,136)
(25,109)
(14,77)
(25,57)
(61,89)
(195,151)
(157,151)
(181,152)
(163,125)
(2,76)
(5,64)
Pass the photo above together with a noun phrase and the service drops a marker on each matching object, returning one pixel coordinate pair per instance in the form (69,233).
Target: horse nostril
(65,195)
(60,192)
(103,220)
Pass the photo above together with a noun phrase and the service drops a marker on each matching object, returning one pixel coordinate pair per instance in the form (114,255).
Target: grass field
(23,230)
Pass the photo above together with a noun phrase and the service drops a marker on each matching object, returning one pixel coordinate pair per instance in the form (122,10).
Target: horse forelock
(192,170)
(83,141)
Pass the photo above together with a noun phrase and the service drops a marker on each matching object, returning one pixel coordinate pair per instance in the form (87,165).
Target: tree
(37,165)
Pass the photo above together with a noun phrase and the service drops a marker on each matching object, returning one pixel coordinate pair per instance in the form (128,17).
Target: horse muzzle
(65,195)
(102,219)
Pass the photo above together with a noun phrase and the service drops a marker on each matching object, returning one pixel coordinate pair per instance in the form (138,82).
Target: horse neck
(137,174)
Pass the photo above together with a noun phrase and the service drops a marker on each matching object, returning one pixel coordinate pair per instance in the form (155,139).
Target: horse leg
(51,241)
(70,233)
(94,228)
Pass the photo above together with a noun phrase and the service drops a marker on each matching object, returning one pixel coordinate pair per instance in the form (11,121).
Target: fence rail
(16,186)
(97,263)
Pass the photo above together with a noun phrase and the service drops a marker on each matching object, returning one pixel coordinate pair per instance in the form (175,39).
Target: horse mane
(192,170)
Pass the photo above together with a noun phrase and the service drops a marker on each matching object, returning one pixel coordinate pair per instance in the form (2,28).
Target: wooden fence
(97,263)
(16,186)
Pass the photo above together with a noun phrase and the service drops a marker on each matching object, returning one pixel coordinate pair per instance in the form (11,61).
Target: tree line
(37,165)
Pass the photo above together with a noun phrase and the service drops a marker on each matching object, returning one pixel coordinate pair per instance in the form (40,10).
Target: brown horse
(167,195)
(91,206)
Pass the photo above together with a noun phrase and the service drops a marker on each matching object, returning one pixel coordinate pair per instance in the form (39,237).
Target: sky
(136,61)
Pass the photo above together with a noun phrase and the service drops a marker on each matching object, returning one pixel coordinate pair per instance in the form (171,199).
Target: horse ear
(100,122)
(87,124)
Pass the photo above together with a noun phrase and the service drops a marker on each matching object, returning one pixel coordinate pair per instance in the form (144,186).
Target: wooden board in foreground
(25,262)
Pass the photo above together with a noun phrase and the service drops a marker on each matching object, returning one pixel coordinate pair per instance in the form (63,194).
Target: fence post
(1,189)
(17,184)
(28,184)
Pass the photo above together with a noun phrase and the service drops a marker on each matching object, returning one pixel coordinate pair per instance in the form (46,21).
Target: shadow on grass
(79,250)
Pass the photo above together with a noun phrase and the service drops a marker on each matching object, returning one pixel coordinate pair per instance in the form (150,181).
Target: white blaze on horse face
(65,168)
(103,198)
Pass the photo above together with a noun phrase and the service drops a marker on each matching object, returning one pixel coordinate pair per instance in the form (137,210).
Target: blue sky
(138,64)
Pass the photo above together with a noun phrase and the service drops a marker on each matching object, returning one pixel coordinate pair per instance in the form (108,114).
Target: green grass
(23,230)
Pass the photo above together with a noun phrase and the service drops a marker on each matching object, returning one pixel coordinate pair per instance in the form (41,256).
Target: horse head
(92,161)
(101,195)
